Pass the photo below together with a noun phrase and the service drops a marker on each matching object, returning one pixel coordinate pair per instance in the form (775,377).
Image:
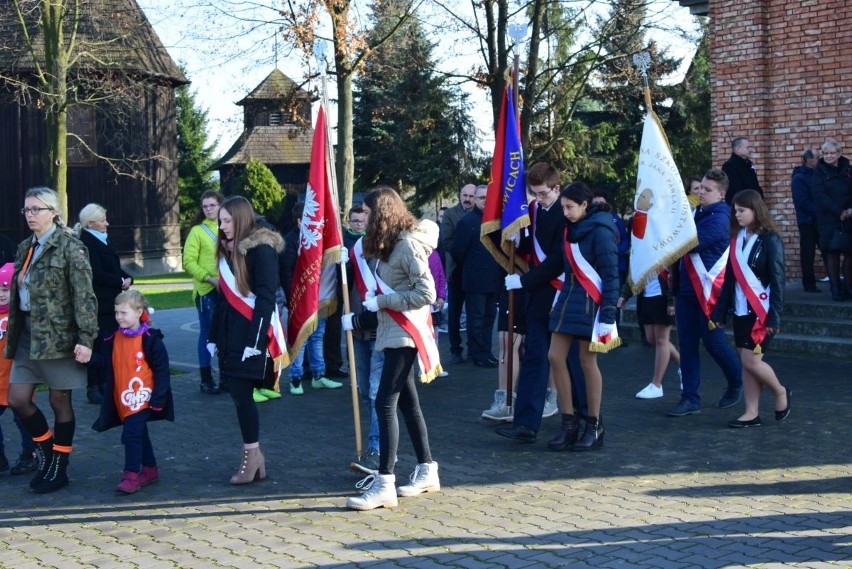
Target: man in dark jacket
(805,206)
(454,288)
(740,170)
(481,277)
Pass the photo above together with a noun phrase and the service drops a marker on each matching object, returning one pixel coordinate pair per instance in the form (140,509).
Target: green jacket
(199,257)
(62,302)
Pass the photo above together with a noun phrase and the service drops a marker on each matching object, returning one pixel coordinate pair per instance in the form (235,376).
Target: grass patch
(166,299)
(168,278)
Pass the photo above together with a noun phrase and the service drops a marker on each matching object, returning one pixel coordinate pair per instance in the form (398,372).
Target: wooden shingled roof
(275,87)
(115,32)
(287,144)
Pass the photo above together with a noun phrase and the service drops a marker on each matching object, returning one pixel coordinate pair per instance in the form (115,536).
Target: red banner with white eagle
(313,290)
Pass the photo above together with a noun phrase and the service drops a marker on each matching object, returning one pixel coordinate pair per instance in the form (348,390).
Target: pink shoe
(149,475)
(129,483)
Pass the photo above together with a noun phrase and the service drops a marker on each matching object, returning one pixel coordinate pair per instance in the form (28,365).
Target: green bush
(259,186)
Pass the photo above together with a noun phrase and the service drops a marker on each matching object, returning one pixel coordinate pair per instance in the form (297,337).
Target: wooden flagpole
(344,285)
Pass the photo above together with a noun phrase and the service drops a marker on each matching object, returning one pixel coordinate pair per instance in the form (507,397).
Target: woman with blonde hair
(108,280)
(52,323)
(831,186)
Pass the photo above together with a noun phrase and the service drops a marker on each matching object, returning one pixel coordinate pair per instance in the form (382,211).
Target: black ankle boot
(56,476)
(837,292)
(44,454)
(567,434)
(208,386)
(593,436)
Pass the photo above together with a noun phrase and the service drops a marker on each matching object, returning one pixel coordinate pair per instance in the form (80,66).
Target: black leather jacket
(767,261)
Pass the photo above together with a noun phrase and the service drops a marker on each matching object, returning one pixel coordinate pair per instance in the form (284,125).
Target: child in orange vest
(27,461)
(137,388)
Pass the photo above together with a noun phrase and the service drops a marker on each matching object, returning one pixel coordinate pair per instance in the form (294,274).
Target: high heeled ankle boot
(252,467)
(593,436)
(567,434)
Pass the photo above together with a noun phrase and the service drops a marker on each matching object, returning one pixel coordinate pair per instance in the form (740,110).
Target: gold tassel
(758,350)
(601,348)
(710,325)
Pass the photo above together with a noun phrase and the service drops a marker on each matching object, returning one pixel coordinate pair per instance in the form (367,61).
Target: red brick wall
(780,76)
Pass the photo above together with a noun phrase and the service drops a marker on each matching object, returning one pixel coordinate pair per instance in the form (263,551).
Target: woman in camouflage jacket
(52,322)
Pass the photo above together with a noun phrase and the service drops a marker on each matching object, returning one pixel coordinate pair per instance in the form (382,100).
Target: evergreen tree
(259,186)
(195,155)
(617,94)
(411,130)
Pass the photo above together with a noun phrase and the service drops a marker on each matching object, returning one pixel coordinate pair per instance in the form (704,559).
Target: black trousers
(808,240)
(241,392)
(456,299)
(397,390)
(481,312)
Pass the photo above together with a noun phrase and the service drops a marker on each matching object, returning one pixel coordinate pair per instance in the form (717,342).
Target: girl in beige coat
(402,246)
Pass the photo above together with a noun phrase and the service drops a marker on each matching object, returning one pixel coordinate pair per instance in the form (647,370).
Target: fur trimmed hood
(425,233)
(262,237)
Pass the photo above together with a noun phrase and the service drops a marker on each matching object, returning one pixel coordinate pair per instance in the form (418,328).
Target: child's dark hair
(134,299)
(578,192)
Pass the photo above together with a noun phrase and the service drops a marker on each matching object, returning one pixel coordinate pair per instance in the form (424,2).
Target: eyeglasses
(542,194)
(33,210)
(210,206)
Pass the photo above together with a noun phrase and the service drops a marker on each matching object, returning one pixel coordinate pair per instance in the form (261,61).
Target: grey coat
(407,273)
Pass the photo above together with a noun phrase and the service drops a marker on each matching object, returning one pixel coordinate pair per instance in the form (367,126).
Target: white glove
(605,330)
(211,347)
(513,282)
(371,304)
(344,254)
(249,353)
(370,294)
(346,322)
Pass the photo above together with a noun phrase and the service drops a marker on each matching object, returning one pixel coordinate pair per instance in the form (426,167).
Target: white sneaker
(498,410)
(444,374)
(651,391)
(380,494)
(423,479)
(550,406)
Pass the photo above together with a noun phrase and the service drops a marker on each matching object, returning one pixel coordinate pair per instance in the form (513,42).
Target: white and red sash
(277,343)
(756,294)
(537,252)
(591,282)
(416,323)
(706,284)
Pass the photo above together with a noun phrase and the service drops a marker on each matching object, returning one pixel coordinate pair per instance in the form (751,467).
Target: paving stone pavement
(663,492)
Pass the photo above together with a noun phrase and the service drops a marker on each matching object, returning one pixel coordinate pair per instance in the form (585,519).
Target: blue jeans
(368,372)
(313,345)
(204,305)
(692,327)
(138,451)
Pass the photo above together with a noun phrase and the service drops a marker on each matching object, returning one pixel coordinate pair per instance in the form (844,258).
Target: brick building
(778,77)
